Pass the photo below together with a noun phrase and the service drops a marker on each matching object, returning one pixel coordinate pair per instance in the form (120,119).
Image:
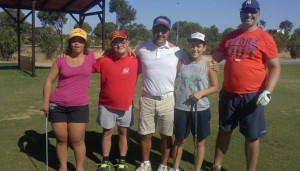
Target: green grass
(22,128)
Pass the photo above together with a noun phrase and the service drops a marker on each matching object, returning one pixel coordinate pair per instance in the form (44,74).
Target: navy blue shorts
(76,114)
(184,123)
(241,109)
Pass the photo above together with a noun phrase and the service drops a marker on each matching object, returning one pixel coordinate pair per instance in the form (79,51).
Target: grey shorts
(108,118)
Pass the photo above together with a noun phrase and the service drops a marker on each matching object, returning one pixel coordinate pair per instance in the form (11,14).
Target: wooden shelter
(80,7)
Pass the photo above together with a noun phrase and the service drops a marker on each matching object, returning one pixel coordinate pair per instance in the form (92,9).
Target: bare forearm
(273,74)
(210,90)
(273,78)
(218,56)
(47,91)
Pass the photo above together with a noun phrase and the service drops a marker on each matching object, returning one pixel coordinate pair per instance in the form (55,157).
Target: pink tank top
(73,82)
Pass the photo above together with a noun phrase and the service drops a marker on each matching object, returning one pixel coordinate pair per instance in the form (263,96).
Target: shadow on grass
(8,67)
(33,145)
(134,157)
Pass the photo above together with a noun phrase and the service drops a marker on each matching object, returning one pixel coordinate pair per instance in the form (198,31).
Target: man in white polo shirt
(159,62)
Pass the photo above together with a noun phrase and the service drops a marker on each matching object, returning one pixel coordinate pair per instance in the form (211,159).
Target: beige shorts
(153,112)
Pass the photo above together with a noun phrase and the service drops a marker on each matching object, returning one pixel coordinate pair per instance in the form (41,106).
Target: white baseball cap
(197,36)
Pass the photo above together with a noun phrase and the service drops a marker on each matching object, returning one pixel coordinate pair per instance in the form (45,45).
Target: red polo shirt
(118,79)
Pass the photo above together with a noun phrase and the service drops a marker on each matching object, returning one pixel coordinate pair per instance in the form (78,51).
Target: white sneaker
(162,168)
(175,169)
(144,167)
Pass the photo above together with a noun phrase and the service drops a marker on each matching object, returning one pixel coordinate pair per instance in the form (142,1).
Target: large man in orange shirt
(247,87)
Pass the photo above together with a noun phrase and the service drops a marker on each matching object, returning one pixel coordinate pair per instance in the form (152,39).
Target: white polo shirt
(159,66)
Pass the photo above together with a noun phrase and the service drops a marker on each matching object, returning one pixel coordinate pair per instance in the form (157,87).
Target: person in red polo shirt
(247,87)
(119,73)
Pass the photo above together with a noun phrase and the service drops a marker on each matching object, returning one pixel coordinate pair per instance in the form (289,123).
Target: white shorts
(108,118)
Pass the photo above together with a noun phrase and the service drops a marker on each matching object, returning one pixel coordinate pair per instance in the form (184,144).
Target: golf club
(196,132)
(46,115)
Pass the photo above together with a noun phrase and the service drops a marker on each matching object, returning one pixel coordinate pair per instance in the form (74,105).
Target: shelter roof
(64,6)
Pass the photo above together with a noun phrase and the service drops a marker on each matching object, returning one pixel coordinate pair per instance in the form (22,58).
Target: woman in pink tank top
(67,106)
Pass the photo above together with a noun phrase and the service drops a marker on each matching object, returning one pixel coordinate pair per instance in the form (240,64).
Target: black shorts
(184,123)
(241,109)
(74,114)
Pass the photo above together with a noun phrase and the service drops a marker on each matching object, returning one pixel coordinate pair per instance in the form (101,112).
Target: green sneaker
(121,167)
(216,168)
(103,167)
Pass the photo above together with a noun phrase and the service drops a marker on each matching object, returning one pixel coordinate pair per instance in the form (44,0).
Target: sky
(221,13)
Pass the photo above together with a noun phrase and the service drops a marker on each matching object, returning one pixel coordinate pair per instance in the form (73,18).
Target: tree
(185,29)
(109,28)
(7,21)
(287,26)
(125,14)
(85,26)
(8,42)
(262,23)
(47,41)
(55,20)
(226,31)
(297,31)
(136,33)
(212,38)
(294,45)
(281,40)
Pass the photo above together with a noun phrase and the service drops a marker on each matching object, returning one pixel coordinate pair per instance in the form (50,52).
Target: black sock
(122,160)
(105,159)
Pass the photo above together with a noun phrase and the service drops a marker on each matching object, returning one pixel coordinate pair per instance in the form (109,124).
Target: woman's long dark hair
(69,48)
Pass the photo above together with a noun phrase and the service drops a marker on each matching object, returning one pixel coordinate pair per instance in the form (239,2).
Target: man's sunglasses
(249,10)
(163,30)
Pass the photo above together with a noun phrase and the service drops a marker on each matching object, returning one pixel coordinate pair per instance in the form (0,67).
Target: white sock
(147,162)
(163,166)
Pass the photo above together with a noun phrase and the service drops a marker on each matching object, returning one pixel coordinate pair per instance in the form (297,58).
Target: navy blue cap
(250,4)
(162,20)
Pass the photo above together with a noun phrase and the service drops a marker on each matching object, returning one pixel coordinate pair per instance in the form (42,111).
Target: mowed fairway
(22,128)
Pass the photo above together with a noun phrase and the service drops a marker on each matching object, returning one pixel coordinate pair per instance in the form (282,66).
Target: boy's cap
(117,33)
(162,20)
(250,4)
(78,32)
(197,36)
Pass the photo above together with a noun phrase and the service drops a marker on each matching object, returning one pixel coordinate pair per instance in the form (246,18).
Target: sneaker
(121,167)
(162,168)
(175,169)
(216,168)
(103,167)
(144,167)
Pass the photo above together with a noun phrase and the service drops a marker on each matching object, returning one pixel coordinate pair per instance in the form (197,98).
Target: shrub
(294,46)
(281,41)
(48,41)
(8,42)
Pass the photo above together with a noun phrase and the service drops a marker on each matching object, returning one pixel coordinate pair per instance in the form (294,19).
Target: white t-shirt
(159,66)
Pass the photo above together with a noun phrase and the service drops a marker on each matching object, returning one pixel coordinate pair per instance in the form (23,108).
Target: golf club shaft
(196,135)
(46,142)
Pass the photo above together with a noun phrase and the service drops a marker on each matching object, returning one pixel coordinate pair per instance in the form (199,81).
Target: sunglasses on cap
(249,10)
(163,30)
